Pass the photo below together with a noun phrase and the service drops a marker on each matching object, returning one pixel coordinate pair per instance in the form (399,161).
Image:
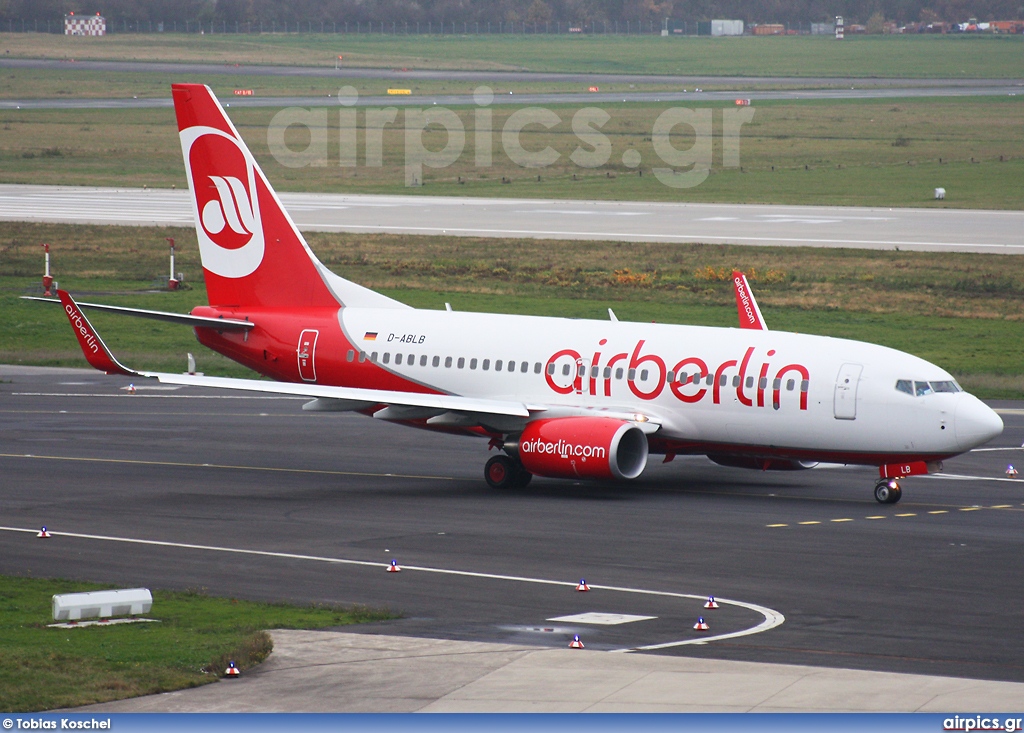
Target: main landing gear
(888,491)
(503,472)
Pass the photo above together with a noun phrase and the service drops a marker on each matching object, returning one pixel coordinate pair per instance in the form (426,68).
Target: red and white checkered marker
(232,670)
(701,624)
(43,533)
(583,585)
(575,643)
(711,603)
(393,567)
(1011,472)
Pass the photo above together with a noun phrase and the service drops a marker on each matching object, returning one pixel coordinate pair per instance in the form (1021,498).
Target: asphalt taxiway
(248,496)
(935,230)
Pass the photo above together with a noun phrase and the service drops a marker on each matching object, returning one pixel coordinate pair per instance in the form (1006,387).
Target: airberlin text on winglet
(78,321)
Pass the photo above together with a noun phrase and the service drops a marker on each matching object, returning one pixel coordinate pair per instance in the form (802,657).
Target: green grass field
(802,56)
(871,153)
(43,668)
(961,311)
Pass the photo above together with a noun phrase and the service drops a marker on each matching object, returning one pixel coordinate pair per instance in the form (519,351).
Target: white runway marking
(154,396)
(772,618)
(958,477)
(602,619)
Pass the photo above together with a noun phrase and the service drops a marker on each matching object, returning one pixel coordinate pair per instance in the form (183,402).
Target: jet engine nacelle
(583,447)
(761,464)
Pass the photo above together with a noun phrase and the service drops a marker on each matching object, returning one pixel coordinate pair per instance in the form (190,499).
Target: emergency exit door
(307,354)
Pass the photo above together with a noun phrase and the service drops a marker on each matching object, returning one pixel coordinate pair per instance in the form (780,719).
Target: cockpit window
(920,389)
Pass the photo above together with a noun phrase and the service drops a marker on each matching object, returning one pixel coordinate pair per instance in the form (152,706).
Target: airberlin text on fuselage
(767,380)
(79,323)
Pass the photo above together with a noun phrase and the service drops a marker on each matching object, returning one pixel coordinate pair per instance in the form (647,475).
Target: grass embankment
(966,56)
(964,312)
(859,152)
(43,668)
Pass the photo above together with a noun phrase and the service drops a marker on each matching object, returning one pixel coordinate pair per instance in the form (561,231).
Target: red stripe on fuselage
(270,348)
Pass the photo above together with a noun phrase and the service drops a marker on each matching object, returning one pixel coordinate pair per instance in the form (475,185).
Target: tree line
(591,14)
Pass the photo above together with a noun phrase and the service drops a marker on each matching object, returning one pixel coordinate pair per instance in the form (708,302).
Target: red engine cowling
(583,447)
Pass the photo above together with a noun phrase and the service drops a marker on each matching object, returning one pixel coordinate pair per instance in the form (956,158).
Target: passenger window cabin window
(447,362)
(486,365)
(671,376)
(423,360)
(536,368)
(497,364)
(618,373)
(387,357)
(723,381)
(362,356)
(905,385)
(804,385)
(762,383)
(736,381)
(472,363)
(373,357)
(790,385)
(710,380)
(398,359)
(525,367)
(461,363)
(581,371)
(684,377)
(750,382)
(632,374)
(565,370)
(607,372)
(411,360)
(643,375)
(551,368)
(351,355)
(777,384)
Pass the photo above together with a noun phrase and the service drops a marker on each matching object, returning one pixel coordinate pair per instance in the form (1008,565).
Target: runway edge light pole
(47,279)
(172,281)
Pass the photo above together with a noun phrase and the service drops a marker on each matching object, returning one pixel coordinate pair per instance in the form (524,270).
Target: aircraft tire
(887,492)
(500,472)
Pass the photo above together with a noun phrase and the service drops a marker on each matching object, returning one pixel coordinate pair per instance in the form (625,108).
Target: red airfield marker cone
(393,567)
(575,643)
(1011,472)
(43,534)
(711,603)
(582,586)
(232,670)
(701,625)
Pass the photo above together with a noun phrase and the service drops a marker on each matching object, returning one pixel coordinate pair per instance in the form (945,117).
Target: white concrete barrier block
(102,604)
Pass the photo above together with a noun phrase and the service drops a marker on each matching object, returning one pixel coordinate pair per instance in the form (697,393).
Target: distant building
(85,25)
(823,29)
(769,29)
(720,28)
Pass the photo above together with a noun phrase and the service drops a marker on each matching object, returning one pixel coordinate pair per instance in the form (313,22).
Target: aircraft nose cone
(975,423)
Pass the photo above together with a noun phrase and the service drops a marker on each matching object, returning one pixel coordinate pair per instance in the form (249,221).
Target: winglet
(746,306)
(96,352)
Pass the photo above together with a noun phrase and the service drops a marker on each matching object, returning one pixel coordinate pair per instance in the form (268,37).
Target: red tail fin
(252,253)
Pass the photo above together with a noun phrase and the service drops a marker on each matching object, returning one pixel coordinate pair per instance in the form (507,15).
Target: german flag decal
(370,336)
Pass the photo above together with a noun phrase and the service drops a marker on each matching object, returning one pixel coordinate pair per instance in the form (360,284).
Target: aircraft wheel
(503,472)
(500,472)
(888,492)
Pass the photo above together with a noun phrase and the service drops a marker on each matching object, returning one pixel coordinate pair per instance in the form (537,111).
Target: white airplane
(559,397)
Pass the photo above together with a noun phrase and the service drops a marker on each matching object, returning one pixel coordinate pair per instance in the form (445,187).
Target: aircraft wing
(353,398)
(186,319)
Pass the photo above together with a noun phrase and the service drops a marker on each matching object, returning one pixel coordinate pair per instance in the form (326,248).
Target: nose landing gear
(888,491)
(502,472)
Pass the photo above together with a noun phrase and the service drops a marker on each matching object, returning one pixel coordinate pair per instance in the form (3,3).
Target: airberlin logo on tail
(230,209)
(223,178)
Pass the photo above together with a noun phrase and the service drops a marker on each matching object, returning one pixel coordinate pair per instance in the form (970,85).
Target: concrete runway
(251,497)
(937,230)
(754,88)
